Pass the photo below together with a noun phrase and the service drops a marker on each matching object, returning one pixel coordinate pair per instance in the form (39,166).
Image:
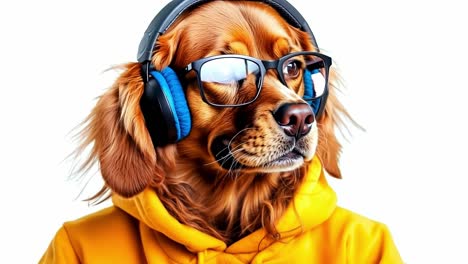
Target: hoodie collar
(314,202)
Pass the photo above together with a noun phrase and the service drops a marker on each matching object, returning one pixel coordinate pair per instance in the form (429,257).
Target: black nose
(295,119)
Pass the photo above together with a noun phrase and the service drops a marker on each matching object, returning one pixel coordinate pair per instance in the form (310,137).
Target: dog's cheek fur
(121,143)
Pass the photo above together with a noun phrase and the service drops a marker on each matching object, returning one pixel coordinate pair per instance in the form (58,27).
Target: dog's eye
(292,69)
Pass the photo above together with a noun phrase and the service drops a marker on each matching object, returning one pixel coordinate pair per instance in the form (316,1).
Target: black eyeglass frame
(264,65)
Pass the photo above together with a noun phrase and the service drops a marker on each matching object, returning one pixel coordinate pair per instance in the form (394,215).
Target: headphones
(163,102)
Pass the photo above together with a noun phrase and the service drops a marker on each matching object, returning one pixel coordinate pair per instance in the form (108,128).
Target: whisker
(234,174)
(228,147)
(237,134)
(224,157)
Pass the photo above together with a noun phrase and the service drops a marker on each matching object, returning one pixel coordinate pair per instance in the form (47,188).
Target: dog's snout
(295,119)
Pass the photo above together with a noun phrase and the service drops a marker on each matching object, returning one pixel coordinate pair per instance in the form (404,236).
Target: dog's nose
(295,119)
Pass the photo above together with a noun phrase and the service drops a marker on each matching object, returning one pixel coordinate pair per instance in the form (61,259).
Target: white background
(403,63)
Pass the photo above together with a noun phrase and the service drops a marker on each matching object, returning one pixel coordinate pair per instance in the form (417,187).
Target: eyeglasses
(223,79)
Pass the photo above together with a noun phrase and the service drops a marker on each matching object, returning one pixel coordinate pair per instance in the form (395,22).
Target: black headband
(175,8)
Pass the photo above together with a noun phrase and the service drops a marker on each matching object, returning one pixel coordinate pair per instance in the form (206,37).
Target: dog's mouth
(226,157)
(289,161)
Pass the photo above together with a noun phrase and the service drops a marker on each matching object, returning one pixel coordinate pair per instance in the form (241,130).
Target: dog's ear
(116,129)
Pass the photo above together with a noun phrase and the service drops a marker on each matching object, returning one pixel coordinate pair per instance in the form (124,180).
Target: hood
(314,202)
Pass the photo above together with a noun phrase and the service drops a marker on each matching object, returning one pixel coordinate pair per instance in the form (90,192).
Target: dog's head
(227,147)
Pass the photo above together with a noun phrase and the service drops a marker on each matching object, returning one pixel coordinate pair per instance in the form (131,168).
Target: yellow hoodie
(140,230)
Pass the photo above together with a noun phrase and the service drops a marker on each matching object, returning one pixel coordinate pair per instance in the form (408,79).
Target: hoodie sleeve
(358,239)
(372,243)
(60,250)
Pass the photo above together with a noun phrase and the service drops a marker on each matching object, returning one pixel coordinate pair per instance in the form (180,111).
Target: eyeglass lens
(234,81)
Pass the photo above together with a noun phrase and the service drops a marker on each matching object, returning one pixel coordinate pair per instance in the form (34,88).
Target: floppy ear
(116,128)
(121,143)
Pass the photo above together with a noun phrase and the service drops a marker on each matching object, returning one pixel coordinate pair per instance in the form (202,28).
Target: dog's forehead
(264,35)
(247,28)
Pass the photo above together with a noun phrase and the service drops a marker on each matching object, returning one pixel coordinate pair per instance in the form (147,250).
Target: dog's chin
(290,160)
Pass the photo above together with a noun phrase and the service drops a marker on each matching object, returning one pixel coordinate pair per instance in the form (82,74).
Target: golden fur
(195,189)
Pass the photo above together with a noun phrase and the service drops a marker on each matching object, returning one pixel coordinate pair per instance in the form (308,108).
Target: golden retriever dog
(252,143)
(190,178)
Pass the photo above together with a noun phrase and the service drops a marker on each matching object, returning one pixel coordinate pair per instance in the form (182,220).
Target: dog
(253,134)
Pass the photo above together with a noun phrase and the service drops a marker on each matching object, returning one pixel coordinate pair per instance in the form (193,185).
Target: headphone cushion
(175,98)
(309,92)
(180,102)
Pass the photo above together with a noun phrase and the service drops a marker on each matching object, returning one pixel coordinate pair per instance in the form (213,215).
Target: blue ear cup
(177,100)
(165,108)
(309,92)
